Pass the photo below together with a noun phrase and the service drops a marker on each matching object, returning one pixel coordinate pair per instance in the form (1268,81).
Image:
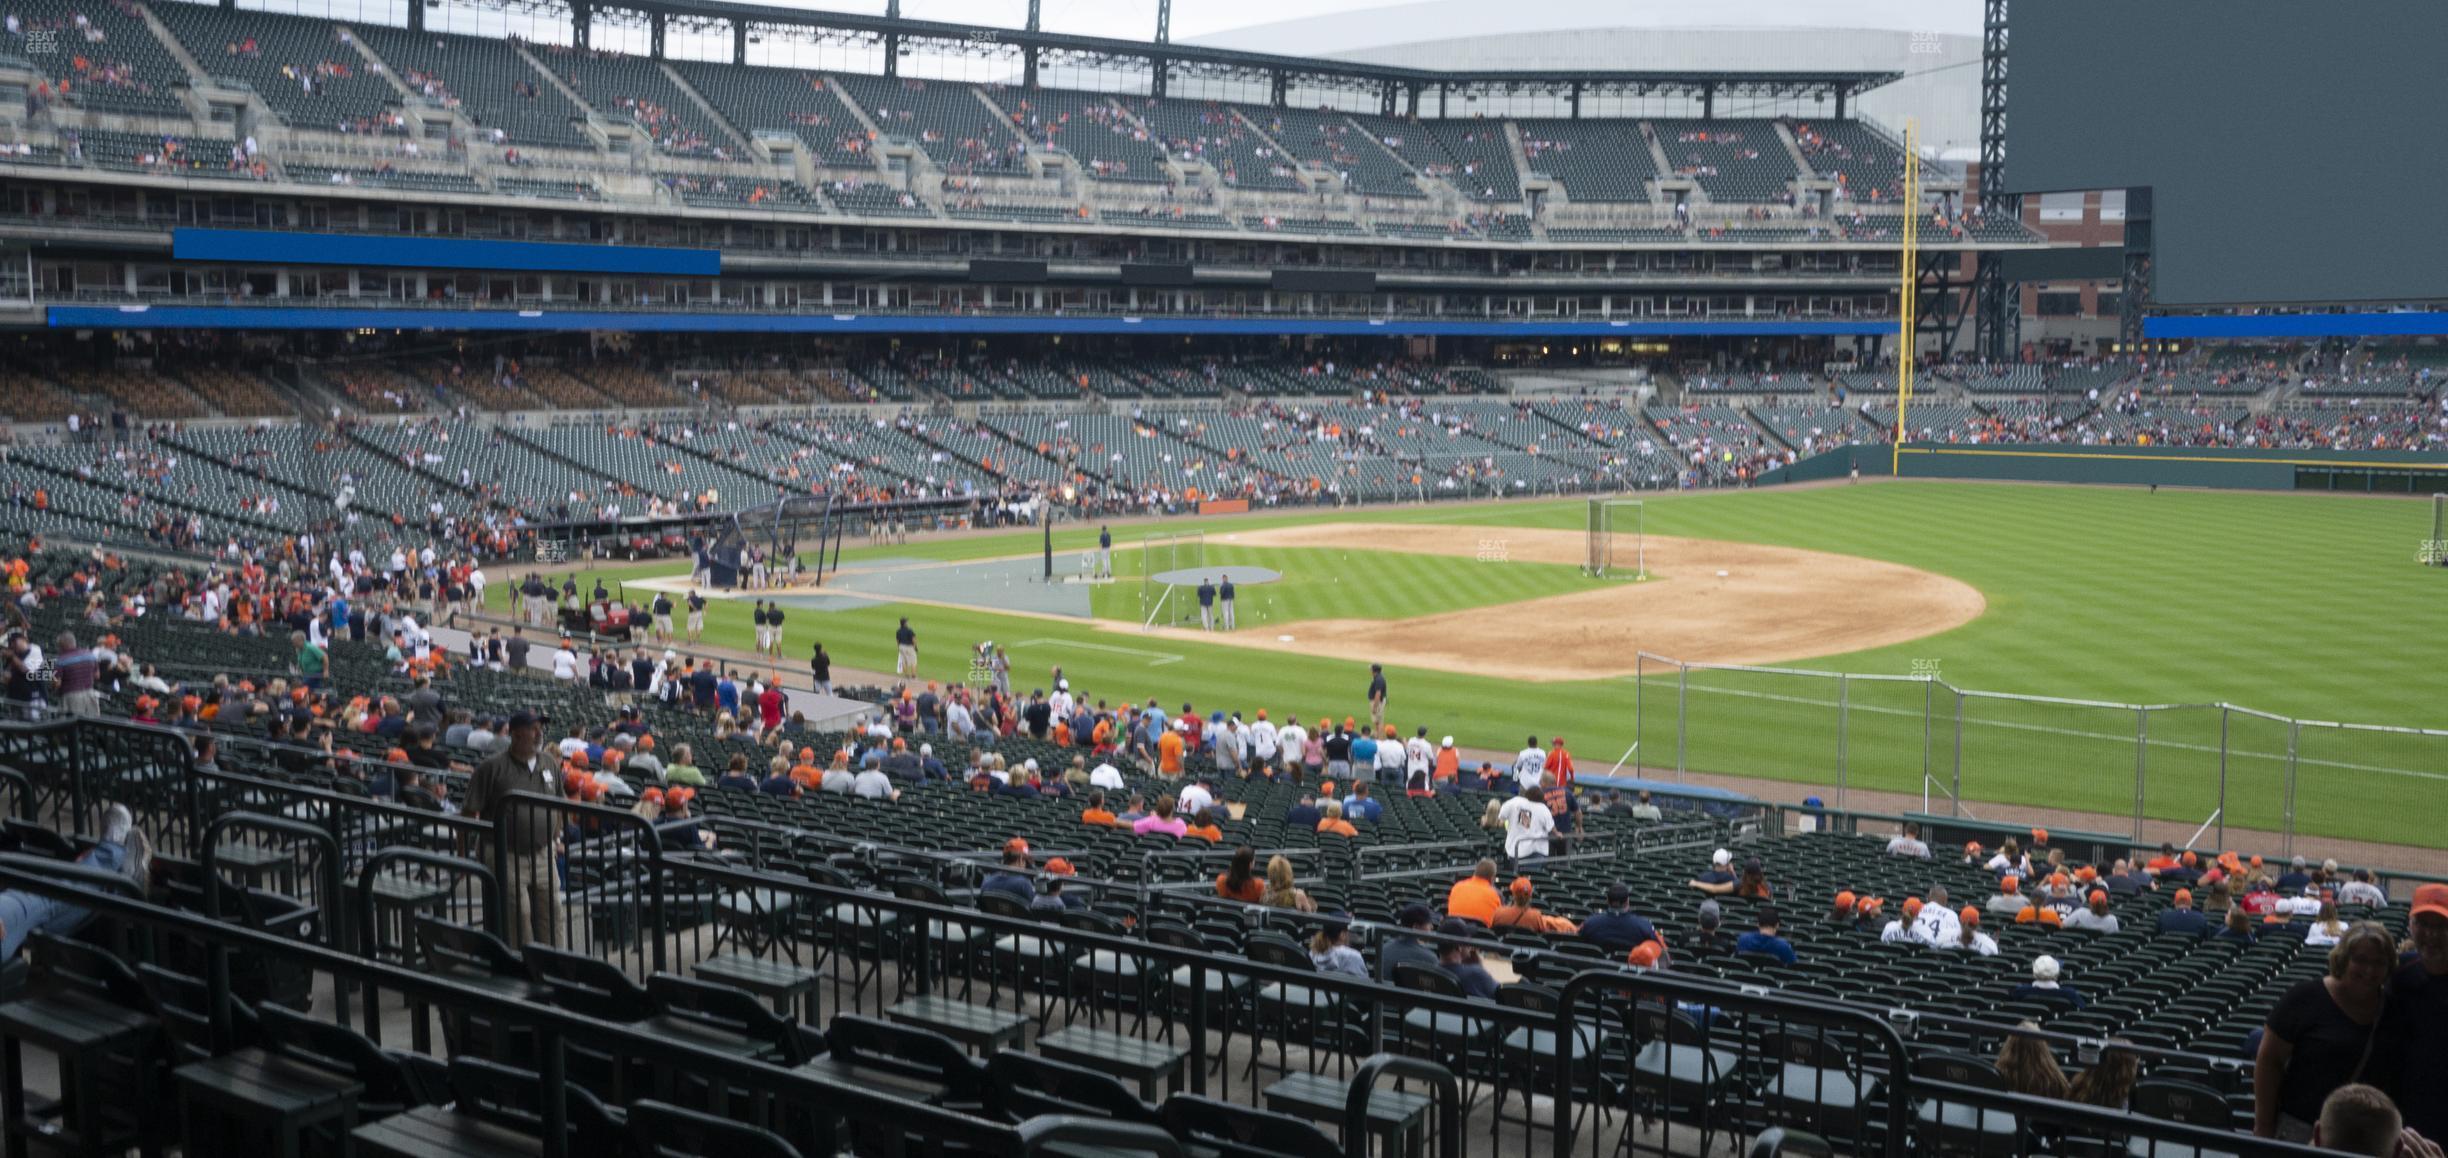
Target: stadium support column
(1164,21)
(416,18)
(1997,324)
(582,24)
(1028,52)
(2134,295)
(655,22)
(892,40)
(739,42)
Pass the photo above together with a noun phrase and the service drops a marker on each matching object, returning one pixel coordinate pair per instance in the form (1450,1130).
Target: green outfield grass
(1321,583)
(2305,605)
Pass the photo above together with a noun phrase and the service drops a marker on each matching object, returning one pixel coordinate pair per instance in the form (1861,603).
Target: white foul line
(1156,658)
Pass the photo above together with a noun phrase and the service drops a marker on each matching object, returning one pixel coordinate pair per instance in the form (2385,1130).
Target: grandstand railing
(1632,1049)
(1698,1056)
(2216,764)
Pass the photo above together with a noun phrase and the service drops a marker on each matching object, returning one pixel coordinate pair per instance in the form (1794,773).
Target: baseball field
(2307,606)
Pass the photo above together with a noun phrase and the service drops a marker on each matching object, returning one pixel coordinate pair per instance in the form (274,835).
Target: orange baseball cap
(1520,886)
(1844,900)
(2432,899)
(2039,836)
(2098,897)
(2086,874)
(1060,867)
(1015,844)
(1870,905)
(2012,884)
(2057,880)
(2188,859)
(2256,860)
(1912,907)
(2184,896)
(652,796)
(1970,915)
(1645,955)
(1973,847)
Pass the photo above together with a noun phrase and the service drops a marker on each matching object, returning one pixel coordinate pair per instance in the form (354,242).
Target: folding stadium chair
(104,1031)
(2171,1100)
(1531,1051)
(1954,1128)
(1235,1131)
(1677,1073)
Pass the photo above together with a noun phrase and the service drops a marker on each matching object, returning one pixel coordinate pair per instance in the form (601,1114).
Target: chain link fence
(2216,765)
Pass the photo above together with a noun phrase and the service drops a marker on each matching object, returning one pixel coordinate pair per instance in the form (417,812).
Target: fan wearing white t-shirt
(1527,823)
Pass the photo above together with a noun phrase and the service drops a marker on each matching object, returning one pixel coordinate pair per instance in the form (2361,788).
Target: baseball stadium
(1034,577)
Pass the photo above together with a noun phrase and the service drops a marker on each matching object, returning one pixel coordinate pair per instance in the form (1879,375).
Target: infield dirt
(1771,605)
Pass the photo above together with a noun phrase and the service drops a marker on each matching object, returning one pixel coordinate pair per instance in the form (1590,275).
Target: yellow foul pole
(1912,280)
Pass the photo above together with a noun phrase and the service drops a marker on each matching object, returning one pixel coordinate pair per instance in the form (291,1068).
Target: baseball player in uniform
(1226,594)
(1104,567)
(696,615)
(1207,598)
(764,631)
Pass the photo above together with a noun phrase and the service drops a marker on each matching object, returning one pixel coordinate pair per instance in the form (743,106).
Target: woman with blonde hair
(1281,893)
(1490,820)
(2030,1066)
(2326,929)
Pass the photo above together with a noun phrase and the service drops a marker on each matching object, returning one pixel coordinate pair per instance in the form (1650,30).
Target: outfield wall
(2373,471)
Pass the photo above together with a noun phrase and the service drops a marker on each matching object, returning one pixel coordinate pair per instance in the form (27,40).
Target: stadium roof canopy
(898,33)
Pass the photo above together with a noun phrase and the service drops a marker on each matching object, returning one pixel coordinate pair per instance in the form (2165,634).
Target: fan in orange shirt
(1474,897)
(805,773)
(1448,761)
(1169,753)
(1332,819)
(1518,913)
(1097,813)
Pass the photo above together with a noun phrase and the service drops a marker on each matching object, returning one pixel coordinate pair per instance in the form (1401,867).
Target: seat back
(661,1130)
(1233,1131)
(727,1009)
(2192,1103)
(587,985)
(70,966)
(1026,1086)
(388,1080)
(1423,979)
(903,1049)
(447,945)
(514,1098)
(1003,905)
(1958,1069)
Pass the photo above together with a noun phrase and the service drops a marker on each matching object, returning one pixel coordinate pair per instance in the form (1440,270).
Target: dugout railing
(2218,766)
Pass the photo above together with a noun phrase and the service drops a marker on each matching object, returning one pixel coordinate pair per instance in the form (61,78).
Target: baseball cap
(2184,896)
(1448,742)
(652,796)
(2097,897)
(1520,886)
(1060,867)
(1015,844)
(1871,905)
(1618,893)
(2011,884)
(1711,914)
(1456,927)
(1721,857)
(1845,900)
(1414,916)
(1972,848)
(1912,907)
(1970,915)
(2432,899)
(528,719)
(2045,968)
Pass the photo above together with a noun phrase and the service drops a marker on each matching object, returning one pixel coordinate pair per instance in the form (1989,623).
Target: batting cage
(1617,549)
(1162,552)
